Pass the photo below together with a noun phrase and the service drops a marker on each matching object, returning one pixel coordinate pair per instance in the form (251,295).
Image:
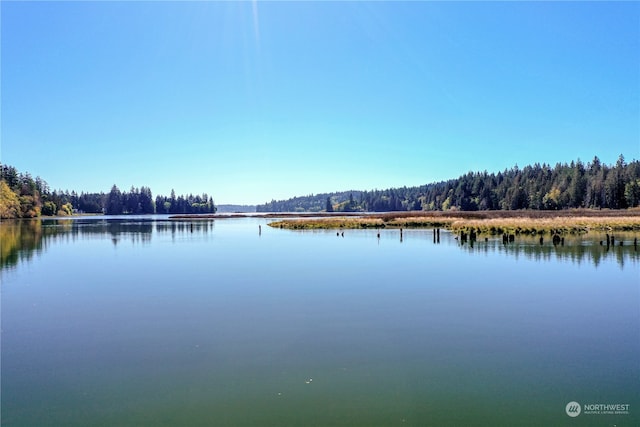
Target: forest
(542,187)
(594,185)
(22,196)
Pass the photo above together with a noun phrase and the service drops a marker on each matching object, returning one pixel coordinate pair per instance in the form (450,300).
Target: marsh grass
(555,225)
(329,223)
(486,222)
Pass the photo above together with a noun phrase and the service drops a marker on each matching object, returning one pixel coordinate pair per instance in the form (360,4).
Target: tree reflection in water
(22,239)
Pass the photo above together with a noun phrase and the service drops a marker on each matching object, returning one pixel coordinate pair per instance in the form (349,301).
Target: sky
(254,101)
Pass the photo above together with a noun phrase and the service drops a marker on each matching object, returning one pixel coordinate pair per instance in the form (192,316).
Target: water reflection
(19,241)
(22,239)
(577,249)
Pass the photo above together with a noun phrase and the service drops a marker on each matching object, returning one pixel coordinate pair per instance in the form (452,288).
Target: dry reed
(489,222)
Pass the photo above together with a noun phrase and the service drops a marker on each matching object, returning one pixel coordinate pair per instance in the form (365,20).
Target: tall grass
(581,224)
(328,223)
(488,222)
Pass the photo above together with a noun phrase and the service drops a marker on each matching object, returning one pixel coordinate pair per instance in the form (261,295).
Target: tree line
(543,187)
(22,196)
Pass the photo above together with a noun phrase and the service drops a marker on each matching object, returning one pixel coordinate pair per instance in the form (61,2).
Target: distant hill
(574,185)
(311,203)
(235,208)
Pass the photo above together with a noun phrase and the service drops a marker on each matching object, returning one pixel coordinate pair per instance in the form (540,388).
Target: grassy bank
(486,222)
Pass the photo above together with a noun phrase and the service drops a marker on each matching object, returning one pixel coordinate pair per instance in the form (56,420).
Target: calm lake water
(149,322)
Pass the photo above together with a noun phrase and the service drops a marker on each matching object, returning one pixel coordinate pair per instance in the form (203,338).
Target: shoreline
(532,222)
(268,215)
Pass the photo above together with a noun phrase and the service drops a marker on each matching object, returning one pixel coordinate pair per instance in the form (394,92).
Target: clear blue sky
(252,101)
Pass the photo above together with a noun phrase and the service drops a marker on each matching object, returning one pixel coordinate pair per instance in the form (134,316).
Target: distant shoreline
(269,215)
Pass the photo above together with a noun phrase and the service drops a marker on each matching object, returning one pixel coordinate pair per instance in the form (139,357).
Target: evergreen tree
(562,186)
(329,207)
(115,204)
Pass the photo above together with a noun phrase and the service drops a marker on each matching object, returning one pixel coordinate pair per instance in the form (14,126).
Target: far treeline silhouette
(594,185)
(22,196)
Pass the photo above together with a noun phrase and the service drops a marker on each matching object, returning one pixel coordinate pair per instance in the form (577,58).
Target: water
(144,321)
